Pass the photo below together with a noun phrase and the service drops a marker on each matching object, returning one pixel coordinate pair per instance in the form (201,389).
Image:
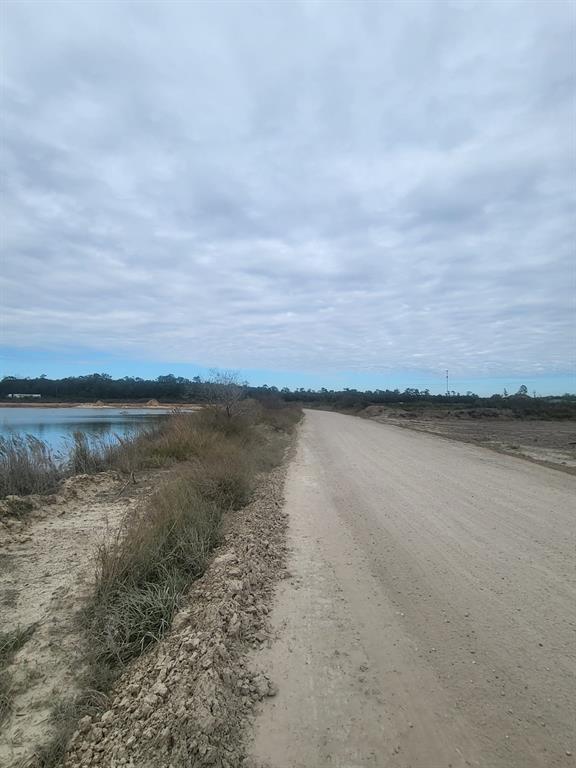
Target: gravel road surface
(430,620)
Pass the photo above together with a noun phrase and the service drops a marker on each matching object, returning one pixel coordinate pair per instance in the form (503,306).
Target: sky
(312,193)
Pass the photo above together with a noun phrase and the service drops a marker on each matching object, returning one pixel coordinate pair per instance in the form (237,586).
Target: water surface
(56,425)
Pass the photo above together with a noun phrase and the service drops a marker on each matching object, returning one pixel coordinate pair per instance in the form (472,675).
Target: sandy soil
(46,563)
(430,620)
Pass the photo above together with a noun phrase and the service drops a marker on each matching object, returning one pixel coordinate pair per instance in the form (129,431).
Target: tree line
(178,389)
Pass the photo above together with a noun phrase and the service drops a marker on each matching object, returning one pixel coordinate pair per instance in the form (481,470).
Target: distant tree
(225,391)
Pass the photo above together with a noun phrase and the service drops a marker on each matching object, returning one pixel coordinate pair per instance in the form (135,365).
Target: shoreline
(99,404)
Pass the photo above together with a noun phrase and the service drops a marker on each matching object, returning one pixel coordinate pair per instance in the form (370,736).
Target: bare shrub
(225,392)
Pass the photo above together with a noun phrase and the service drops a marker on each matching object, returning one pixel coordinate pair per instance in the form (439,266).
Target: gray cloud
(299,185)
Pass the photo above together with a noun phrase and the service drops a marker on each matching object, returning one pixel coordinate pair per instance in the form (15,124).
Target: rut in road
(430,620)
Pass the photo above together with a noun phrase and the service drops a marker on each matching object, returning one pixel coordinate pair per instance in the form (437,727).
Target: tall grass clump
(89,455)
(27,465)
(143,571)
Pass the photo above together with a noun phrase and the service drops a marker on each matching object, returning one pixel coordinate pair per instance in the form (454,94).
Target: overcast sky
(320,188)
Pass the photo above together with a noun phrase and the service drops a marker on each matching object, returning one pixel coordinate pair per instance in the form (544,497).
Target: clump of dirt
(46,549)
(187,700)
(152,404)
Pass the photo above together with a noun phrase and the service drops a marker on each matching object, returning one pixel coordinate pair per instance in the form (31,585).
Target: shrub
(226,474)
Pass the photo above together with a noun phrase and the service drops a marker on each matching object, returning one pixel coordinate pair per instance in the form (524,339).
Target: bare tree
(224,391)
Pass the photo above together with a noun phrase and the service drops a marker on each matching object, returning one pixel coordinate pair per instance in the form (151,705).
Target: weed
(64,716)
(11,642)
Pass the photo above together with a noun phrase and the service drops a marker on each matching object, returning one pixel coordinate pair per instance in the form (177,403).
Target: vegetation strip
(186,701)
(145,569)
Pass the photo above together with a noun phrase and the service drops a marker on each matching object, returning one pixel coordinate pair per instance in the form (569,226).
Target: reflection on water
(56,425)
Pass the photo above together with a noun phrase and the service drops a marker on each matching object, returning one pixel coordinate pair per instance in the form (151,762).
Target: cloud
(354,186)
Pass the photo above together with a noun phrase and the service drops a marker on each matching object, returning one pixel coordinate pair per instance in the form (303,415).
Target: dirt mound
(385,412)
(475,413)
(152,404)
(382,412)
(186,701)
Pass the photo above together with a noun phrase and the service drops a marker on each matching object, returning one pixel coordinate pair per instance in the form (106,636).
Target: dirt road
(431,617)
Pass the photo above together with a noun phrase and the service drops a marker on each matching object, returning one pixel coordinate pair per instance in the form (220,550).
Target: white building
(20,396)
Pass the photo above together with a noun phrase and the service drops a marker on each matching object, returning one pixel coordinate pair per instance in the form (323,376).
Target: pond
(55,426)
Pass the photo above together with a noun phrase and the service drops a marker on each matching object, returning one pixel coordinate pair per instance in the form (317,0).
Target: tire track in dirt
(431,617)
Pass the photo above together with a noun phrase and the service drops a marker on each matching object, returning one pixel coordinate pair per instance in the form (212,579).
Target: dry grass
(29,466)
(64,720)
(89,455)
(26,466)
(144,571)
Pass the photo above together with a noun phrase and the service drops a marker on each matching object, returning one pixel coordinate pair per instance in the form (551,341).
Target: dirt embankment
(186,701)
(546,441)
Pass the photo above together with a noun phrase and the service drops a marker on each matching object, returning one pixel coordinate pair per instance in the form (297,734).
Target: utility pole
(447,387)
